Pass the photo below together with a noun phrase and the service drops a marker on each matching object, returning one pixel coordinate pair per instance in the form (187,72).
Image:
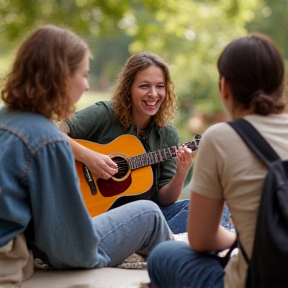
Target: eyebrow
(147,81)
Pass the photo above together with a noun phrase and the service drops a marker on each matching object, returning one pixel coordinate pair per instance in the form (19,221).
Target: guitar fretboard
(158,156)
(150,158)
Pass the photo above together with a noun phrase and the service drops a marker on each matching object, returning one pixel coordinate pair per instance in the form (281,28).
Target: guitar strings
(122,164)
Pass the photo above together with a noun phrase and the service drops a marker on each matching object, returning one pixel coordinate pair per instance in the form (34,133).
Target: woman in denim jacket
(39,190)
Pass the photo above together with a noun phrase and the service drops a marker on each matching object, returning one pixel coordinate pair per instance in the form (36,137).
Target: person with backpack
(226,170)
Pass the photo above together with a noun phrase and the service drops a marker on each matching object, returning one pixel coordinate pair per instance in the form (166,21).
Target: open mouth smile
(151,103)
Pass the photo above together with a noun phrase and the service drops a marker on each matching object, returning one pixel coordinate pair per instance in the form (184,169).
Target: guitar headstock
(194,143)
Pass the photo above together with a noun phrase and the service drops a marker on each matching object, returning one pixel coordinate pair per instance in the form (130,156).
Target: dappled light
(189,36)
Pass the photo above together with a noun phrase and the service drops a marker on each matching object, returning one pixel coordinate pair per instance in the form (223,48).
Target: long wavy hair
(254,69)
(121,99)
(38,81)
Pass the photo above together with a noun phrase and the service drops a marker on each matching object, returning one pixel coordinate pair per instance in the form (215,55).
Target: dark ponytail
(254,69)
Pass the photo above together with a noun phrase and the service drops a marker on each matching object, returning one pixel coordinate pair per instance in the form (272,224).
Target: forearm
(222,239)
(78,150)
(204,230)
(169,193)
(100,165)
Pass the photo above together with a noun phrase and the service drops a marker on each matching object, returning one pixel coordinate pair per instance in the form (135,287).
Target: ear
(225,91)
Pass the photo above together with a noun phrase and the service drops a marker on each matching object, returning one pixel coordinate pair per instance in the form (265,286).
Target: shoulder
(217,130)
(92,114)
(104,106)
(100,108)
(32,129)
(219,136)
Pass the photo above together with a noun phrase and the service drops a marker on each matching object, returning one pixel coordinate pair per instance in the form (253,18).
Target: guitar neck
(151,158)
(158,156)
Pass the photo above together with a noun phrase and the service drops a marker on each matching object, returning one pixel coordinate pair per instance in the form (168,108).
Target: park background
(188,34)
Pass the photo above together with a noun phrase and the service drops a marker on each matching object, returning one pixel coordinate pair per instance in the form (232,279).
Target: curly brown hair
(38,81)
(121,99)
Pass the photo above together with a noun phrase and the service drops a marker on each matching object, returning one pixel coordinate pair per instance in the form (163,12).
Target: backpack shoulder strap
(258,145)
(255,141)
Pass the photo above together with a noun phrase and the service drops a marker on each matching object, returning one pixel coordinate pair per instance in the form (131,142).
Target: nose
(153,91)
(87,86)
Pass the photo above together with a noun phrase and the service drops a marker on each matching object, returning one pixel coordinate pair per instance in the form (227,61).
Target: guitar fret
(169,152)
(138,161)
(151,158)
(164,154)
(173,151)
(154,160)
(159,155)
(134,162)
(144,160)
(152,155)
(131,163)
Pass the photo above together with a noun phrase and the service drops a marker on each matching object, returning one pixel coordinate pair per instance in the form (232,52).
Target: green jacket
(97,123)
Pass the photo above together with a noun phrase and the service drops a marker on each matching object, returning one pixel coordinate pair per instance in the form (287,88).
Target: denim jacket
(39,192)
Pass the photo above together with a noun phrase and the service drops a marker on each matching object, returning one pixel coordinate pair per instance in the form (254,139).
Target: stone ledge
(88,278)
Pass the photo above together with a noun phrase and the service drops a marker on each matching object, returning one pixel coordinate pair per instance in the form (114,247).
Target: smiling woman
(143,105)
(147,94)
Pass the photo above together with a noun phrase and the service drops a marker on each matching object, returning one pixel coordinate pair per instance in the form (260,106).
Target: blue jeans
(173,264)
(135,227)
(176,216)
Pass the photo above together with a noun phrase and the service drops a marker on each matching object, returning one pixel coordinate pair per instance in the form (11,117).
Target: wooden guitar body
(127,182)
(134,177)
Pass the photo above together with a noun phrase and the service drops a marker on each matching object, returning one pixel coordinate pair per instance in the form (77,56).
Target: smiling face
(147,93)
(78,81)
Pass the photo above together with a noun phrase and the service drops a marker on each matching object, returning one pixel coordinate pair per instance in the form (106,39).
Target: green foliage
(272,19)
(188,34)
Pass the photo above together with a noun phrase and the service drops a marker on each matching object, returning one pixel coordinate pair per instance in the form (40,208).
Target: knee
(155,259)
(158,252)
(165,251)
(148,205)
(166,258)
(185,204)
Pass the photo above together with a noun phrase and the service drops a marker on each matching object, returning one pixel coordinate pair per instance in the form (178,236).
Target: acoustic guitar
(134,176)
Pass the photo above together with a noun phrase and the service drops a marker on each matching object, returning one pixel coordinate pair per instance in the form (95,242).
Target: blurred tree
(271,18)
(109,55)
(188,34)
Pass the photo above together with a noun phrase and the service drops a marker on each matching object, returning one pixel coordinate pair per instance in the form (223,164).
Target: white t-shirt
(226,168)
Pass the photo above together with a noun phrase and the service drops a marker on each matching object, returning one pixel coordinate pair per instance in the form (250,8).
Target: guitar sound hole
(123,167)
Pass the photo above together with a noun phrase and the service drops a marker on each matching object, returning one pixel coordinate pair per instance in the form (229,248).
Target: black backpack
(268,266)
